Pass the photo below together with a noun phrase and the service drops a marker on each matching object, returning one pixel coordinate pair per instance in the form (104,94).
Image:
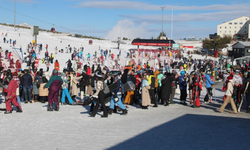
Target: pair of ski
(243,96)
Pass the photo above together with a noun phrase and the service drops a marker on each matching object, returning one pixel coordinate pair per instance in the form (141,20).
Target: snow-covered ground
(61,41)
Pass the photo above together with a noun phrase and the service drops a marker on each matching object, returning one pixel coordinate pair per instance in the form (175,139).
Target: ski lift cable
(38,19)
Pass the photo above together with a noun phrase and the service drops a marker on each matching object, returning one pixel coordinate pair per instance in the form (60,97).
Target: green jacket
(52,79)
(159,78)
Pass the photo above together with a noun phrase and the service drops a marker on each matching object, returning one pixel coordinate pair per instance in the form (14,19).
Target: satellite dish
(224,50)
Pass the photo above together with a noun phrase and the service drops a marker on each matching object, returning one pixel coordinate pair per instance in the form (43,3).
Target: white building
(235,28)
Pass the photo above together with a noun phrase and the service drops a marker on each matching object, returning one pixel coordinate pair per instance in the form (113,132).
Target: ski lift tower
(34,33)
(119,42)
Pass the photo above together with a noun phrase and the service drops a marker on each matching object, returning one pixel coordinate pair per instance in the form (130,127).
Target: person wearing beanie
(54,85)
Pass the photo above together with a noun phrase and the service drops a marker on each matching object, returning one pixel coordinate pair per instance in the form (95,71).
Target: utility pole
(162,8)
(172,18)
(15,16)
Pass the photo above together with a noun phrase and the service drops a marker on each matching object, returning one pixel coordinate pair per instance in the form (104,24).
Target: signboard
(153,44)
(35,30)
(176,46)
(188,46)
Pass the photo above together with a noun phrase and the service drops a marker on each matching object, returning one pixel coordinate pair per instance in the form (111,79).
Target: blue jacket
(182,83)
(209,82)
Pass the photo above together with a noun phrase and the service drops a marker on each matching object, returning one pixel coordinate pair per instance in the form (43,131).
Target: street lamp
(162,8)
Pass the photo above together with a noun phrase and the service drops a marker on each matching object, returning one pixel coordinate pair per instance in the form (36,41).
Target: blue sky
(126,18)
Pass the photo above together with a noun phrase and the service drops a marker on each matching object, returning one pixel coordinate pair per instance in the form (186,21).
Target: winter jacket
(159,77)
(26,80)
(182,83)
(99,87)
(11,91)
(124,76)
(156,79)
(54,82)
(144,83)
(237,80)
(230,88)
(35,88)
(166,86)
(65,81)
(88,71)
(146,100)
(74,85)
(209,82)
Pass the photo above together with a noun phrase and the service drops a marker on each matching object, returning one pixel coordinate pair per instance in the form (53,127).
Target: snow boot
(110,111)
(50,108)
(124,112)
(56,108)
(19,110)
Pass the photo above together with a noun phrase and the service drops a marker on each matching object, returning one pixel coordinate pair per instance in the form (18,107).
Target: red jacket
(11,92)
(88,71)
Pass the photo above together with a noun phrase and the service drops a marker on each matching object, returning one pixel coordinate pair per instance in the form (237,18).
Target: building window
(225,31)
(241,23)
(220,27)
(225,27)
(234,31)
(237,50)
(235,23)
(229,27)
(229,31)
(230,23)
(235,27)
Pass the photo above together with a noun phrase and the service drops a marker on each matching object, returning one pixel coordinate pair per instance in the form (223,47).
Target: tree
(162,34)
(216,43)
(124,38)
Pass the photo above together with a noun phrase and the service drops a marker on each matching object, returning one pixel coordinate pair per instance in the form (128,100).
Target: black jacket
(26,80)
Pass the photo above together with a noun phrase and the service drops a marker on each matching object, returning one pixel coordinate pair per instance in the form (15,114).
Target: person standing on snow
(54,85)
(12,97)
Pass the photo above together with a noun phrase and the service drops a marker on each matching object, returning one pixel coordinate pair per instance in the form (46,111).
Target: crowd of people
(136,84)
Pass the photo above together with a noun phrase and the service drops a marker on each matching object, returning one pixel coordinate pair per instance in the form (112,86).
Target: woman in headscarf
(229,93)
(146,100)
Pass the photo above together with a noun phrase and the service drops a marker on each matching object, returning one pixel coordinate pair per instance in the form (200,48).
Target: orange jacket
(57,66)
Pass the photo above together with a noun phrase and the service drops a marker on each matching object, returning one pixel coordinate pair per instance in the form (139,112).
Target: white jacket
(230,88)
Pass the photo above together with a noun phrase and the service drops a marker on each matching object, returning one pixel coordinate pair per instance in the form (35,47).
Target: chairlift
(53,29)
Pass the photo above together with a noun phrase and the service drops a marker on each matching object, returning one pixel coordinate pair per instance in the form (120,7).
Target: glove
(20,86)
(31,87)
